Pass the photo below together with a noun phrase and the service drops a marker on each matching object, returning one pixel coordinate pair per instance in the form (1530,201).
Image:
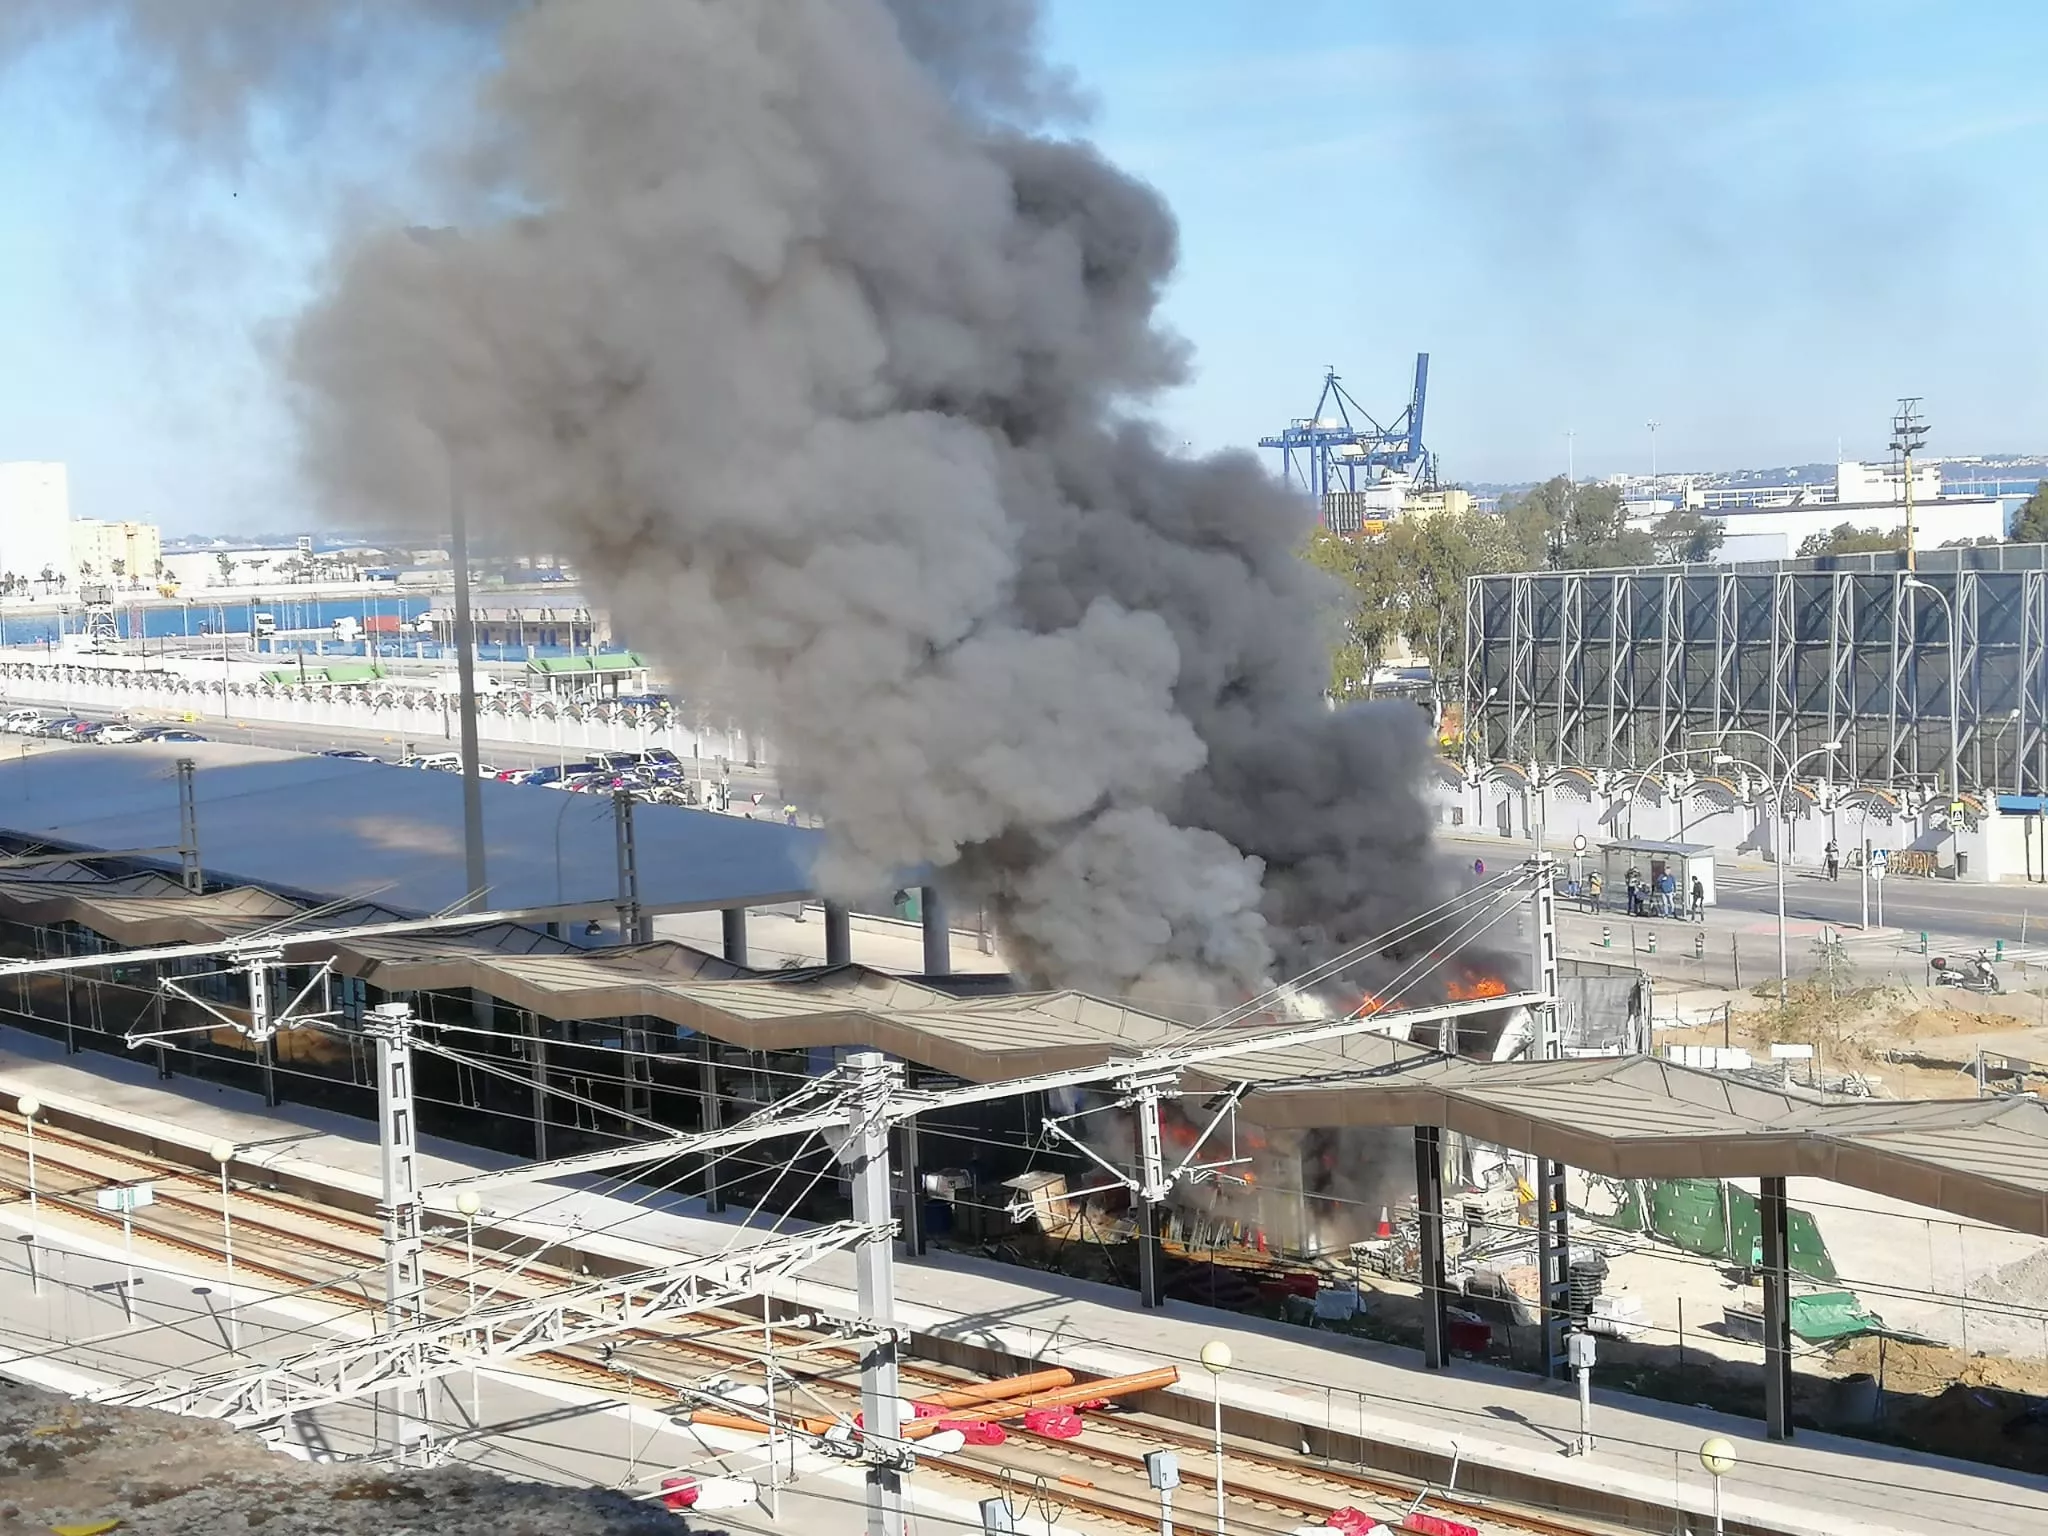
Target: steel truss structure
(1614,669)
(421,1352)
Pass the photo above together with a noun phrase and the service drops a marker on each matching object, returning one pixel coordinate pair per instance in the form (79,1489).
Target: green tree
(1686,537)
(1435,557)
(2031,527)
(1848,539)
(1371,610)
(1561,526)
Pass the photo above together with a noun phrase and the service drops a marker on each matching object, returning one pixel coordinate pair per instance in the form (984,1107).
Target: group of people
(1662,898)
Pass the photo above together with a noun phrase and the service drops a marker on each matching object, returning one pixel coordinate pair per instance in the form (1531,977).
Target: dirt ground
(1864,1030)
(157,1474)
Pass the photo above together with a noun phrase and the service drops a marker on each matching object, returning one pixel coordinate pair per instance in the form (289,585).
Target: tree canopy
(1848,539)
(2031,527)
(1566,527)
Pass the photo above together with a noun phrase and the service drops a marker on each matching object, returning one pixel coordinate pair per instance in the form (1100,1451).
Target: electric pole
(1909,431)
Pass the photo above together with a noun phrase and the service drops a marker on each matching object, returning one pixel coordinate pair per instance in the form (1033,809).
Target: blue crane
(1327,450)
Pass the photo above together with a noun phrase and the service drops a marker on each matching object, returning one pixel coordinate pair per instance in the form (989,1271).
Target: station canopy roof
(330,828)
(1625,1117)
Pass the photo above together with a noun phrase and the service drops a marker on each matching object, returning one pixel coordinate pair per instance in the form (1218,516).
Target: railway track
(1266,1491)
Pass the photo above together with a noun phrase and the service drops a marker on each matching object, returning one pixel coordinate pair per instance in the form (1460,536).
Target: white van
(21,719)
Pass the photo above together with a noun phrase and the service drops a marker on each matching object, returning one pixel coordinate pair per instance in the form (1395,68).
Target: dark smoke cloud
(822,369)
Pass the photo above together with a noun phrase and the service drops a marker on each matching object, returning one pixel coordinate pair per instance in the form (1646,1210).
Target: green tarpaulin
(1707,1217)
(1829,1315)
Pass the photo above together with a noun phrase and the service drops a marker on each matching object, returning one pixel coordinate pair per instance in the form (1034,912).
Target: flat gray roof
(336,827)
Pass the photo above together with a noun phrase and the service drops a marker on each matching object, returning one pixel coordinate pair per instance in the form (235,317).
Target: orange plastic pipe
(992,1409)
(999,1391)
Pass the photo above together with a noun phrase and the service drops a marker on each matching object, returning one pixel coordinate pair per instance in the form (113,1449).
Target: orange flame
(1483,986)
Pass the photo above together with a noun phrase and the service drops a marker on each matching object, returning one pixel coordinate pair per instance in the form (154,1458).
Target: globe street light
(467,1203)
(30,1106)
(1718,1457)
(223,1153)
(1783,792)
(1216,1360)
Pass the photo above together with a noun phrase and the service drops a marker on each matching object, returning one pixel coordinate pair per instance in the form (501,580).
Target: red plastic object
(679,1493)
(978,1431)
(1469,1337)
(1053,1423)
(1352,1522)
(1437,1525)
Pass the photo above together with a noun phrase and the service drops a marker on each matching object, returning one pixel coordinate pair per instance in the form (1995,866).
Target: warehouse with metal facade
(1617,668)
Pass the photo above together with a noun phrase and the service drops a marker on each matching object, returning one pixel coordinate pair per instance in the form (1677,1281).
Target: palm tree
(120,568)
(49,578)
(227,566)
(7,581)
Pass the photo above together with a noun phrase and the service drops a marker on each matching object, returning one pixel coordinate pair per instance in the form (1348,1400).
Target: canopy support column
(1772,1213)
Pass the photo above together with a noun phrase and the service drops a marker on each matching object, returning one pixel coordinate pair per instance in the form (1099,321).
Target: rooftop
(330,828)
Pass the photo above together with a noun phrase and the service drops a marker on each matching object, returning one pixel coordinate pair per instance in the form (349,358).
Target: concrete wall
(1500,800)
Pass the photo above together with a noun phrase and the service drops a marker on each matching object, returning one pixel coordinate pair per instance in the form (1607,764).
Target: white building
(1775,533)
(35,521)
(1771,524)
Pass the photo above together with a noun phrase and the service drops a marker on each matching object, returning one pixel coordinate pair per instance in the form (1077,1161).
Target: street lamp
(1216,1360)
(1955,683)
(30,1106)
(1718,1457)
(1784,791)
(223,1153)
(467,1203)
(1998,740)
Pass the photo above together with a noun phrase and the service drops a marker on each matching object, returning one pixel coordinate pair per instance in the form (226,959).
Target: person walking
(1833,855)
(1699,900)
(1667,895)
(1593,891)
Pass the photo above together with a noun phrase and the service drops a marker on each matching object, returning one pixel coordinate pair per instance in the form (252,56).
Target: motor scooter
(1973,973)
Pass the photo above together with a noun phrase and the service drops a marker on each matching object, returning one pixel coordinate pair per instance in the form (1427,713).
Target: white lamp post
(467,1203)
(1718,1457)
(30,1106)
(1216,1360)
(223,1153)
(1955,683)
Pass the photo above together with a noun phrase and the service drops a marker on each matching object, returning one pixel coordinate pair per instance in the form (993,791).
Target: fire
(1483,986)
(1369,1004)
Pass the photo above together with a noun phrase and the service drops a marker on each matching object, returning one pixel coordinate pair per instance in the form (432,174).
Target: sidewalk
(1507,1431)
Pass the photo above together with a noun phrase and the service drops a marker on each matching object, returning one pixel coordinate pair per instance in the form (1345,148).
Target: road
(1979,911)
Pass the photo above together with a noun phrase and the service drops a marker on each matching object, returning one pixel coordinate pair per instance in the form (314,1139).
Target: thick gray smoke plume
(783,323)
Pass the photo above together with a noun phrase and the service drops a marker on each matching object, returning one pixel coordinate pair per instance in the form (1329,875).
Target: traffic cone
(1386,1226)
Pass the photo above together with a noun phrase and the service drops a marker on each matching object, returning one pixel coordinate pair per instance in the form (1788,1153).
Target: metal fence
(1618,668)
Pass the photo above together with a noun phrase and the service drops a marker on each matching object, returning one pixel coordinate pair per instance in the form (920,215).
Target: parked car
(350,753)
(554,773)
(22,721)
(437,762)
(119,734)
(57,725)
(177,734)
(88,730)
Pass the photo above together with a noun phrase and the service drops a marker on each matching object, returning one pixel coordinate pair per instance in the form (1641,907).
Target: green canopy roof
(607,661)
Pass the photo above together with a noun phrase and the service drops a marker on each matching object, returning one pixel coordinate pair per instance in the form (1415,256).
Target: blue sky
(1755,223)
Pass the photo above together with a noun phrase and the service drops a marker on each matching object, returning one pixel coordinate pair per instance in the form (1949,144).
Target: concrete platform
(1339,1397)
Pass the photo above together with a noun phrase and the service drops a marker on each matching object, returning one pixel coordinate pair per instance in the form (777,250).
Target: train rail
(1101,1478)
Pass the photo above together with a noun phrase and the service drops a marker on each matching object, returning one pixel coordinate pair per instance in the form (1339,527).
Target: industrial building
(1628,667)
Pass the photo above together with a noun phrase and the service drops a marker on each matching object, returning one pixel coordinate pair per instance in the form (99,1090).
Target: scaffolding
(1617,668)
